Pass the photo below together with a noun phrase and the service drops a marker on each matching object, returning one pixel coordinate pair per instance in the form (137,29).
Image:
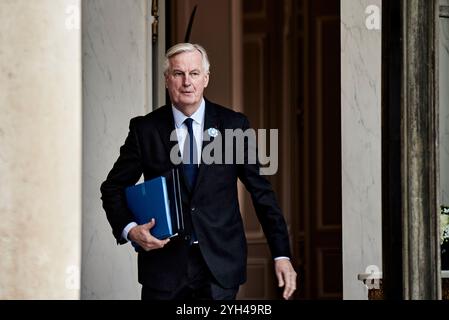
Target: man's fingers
(287,279)
(150,224)
(160,243)
(151,243)
(290,286)
(146,240)
(280,277)
(288,291)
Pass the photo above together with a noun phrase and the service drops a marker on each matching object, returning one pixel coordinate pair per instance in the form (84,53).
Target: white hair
(186,47)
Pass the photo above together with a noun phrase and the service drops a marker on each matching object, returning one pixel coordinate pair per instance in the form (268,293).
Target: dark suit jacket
(213,202)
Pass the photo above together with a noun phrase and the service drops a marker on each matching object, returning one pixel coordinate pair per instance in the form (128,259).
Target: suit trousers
(197,284)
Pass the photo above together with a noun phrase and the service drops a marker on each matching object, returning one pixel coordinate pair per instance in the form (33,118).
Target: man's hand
(286,276)
(141,235)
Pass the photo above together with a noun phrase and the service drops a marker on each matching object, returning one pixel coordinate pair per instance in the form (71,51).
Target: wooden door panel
(260,60)
(291,65)
(323,110)
(291,82)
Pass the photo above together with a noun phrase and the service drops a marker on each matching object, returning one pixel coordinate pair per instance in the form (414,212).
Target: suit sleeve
(125,172)
(265,204)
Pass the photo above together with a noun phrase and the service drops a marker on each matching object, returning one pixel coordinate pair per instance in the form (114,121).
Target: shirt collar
(198,116)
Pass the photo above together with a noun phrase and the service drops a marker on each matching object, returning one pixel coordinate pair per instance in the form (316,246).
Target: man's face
(186,80)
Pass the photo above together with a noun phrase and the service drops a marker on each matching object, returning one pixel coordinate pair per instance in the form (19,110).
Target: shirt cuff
(282,258)
(126,230)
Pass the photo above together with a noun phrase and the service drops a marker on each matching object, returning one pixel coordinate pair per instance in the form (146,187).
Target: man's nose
(186,81)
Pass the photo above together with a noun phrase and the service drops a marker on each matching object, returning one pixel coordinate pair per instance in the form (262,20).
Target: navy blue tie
(190,155)
(190,162)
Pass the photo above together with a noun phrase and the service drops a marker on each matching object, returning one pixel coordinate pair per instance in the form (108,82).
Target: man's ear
(206,80)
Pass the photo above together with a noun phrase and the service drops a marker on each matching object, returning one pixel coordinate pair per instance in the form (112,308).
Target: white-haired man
(208,261)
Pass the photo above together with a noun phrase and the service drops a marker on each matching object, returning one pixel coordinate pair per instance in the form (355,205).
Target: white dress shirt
(197,125)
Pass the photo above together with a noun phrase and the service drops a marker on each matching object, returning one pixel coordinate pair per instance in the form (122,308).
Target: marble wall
(40,149)
(444,107)
(361,142)
(115,88)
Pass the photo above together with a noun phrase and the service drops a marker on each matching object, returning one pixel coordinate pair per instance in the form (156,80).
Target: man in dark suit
(208,260)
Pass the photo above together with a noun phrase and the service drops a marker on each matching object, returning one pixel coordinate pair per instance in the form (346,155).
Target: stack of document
(158,198)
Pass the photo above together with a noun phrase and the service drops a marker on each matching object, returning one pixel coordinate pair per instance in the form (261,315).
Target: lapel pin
(212,132)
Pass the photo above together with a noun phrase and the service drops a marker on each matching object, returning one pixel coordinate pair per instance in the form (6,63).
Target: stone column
(40,149)
(444,102)
(420,150)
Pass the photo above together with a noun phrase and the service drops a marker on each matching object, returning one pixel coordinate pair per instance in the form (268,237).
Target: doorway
(289,53)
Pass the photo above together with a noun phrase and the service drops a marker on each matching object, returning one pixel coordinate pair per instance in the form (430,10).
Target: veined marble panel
(115,65)
(361,142)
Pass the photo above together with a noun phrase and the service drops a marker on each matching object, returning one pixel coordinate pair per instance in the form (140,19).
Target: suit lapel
(166,127)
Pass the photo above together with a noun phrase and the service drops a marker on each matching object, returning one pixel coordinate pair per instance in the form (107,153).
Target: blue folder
(159,198)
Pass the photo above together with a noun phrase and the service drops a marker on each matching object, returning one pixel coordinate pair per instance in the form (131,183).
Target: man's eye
(195,74)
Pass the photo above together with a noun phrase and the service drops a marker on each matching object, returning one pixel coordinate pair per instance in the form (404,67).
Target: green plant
(444,224)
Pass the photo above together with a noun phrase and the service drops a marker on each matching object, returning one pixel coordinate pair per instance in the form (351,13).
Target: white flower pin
(212,132)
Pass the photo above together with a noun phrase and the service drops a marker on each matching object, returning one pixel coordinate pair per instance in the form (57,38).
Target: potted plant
(444,224)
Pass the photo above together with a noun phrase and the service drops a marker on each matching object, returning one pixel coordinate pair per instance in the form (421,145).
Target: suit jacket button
(187,238)
(193,209)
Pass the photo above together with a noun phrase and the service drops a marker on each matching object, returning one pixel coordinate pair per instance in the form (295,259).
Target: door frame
(411,251)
